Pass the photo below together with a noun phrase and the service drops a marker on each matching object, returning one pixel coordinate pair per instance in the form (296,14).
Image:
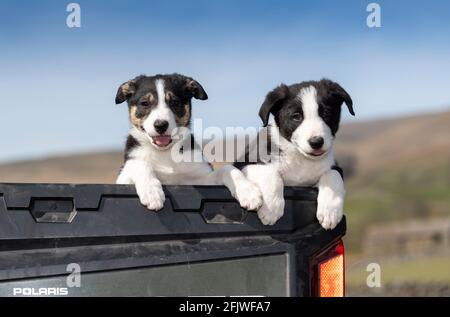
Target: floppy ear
(272,102)
(340,93)
(126,90)
(194,89)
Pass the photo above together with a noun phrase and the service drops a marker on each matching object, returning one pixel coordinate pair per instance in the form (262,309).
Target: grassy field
(397,193)
(426,270)
(418,277)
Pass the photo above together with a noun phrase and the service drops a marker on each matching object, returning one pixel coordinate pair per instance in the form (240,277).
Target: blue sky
(58,84)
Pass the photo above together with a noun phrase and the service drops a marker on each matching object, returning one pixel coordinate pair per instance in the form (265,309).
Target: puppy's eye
(144,103)
(297,116)
(321,110)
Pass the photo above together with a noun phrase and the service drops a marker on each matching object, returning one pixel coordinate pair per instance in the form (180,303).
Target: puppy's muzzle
(161,126)
(316,142)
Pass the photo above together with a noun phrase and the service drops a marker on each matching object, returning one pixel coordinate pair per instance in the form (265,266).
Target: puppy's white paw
(269,216)
(151,196)
(330,209)
(249,195)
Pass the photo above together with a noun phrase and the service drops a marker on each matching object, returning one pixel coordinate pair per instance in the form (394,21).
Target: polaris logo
(72,280)
(42,291)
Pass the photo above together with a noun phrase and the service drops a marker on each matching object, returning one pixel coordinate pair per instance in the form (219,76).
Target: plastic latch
(223,213)
(47,210)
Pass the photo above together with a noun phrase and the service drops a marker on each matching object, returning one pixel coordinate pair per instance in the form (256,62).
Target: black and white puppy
(160,113)
(300,140)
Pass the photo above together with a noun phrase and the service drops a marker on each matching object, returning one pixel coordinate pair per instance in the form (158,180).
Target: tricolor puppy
(300,140)
(160,113)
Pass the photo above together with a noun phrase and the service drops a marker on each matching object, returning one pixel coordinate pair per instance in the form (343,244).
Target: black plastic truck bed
(201,243)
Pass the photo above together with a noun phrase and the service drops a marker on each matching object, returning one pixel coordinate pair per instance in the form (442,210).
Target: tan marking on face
(168,97)
(150,98)
(184,120)
(137,122)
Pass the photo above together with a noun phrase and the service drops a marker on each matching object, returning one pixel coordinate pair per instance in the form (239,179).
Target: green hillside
(396,193)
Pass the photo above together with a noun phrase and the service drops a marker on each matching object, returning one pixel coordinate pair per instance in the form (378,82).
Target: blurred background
(59,123)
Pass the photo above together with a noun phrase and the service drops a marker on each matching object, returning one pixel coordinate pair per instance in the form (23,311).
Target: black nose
(316,142)
(161,126)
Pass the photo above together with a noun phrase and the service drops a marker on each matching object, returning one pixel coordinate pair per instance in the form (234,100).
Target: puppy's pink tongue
(162,140)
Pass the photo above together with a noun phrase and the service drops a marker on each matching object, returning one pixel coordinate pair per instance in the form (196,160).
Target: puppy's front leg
(330,201)
(271,185)
(148,187)
(246,193)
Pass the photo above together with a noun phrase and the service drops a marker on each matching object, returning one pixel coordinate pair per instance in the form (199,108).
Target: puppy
(160,112)
(300,141)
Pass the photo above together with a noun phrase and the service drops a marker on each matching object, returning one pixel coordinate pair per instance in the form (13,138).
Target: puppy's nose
(316,142)
(161,126)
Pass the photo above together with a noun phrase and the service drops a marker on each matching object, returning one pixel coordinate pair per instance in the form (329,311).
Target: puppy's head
(307,114)
(160,104)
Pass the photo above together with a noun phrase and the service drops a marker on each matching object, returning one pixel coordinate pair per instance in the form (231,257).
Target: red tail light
(328,272)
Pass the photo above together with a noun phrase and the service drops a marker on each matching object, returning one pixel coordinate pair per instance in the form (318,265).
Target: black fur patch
(338,169)
(130,145)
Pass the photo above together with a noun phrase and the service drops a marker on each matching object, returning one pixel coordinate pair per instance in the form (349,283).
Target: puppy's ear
(272,103)
(340,93)
(194,89)
(127,90)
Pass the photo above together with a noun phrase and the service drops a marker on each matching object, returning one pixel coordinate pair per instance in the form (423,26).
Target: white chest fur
(168,166)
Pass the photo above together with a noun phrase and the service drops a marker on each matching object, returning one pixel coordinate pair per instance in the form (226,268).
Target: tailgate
(97,240)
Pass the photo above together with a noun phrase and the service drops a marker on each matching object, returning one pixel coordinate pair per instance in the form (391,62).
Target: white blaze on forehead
(160,112)
(312,124)
(308,97)
(160,92)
